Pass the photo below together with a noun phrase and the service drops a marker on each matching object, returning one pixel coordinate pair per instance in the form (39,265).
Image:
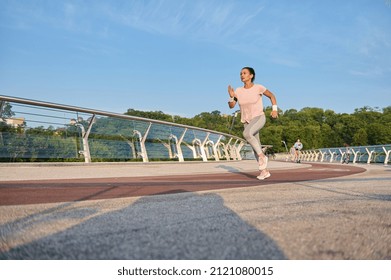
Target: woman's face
(245,75)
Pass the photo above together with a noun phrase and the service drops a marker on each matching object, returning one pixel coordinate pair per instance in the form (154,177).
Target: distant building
(15,122)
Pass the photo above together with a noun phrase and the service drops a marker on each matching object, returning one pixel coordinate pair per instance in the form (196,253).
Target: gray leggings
(251,133)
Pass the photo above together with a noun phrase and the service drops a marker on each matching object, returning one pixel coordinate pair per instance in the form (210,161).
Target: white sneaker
(264,175)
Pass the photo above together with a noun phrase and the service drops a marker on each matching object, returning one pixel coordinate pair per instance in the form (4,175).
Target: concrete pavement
(52,171)
(335,218)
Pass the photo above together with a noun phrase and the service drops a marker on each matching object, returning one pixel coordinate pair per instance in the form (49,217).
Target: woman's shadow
(183,226)
(231,169)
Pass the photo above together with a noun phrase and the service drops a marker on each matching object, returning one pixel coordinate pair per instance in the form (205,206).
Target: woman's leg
(251,134)
(255,152)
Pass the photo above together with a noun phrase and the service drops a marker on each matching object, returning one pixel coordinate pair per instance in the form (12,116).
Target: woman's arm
(273,99)
(231,93)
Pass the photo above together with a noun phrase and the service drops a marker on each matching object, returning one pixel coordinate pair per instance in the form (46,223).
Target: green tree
(378,134)
(360,138)
(347,127)
(6,110)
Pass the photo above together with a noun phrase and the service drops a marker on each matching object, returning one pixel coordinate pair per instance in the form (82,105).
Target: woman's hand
(274,114)
(231,91)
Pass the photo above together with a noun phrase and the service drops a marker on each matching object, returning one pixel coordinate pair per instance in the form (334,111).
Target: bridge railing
(43,131)
(354,154)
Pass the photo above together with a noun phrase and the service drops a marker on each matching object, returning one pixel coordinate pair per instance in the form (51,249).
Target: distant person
(292,153)
(253,117)
(298,146)
(346,158)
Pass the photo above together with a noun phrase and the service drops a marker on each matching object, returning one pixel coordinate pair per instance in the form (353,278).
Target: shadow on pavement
(235,170)
(177,226)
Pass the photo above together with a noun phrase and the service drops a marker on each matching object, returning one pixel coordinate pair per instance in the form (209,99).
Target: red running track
(48,191)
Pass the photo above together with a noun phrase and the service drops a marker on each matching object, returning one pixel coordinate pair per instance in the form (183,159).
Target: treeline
(315,127)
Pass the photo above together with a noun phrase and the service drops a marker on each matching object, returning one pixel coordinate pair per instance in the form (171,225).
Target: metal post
(86,147)
(142,140)
(219,151)
(355,155)
(323,155)
(201,153)
(238,149)
(216,148)
(84,136)
(369,155)
(387,155)
(178,145)
(208,145)
(316,155)
(193,149)
(131,145)
(342,155)
(332,155)
(202,148)
(133,148)
(306,155)
(234,150)
(229,150)
(310,155)
(168,147)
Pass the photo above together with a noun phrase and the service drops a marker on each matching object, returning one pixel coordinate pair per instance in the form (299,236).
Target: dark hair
(252,71)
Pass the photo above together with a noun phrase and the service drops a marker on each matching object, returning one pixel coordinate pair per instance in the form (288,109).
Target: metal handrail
(141,136)
(354,154)
(105,113)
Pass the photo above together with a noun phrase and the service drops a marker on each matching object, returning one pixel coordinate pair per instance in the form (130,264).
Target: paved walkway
(307,211)
(50,171)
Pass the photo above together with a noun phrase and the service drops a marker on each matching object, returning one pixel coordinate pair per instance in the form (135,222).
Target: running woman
(253,117)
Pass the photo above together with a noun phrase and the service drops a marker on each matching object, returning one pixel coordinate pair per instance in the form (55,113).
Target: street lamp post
(286,148)
(234,115)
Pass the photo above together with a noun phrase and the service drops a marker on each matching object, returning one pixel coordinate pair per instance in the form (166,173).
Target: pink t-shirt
(250,102)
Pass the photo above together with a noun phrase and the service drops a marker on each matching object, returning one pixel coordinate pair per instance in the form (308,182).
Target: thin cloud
(369,73)
(372,39)
(28,15)
(201,20)
(286,62)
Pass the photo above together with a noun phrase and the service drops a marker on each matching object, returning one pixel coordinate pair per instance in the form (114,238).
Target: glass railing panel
(41,131)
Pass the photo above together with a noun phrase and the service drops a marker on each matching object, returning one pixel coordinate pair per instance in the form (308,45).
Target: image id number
(241,271)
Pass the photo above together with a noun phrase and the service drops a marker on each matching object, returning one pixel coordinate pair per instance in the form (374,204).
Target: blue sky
(179,56)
